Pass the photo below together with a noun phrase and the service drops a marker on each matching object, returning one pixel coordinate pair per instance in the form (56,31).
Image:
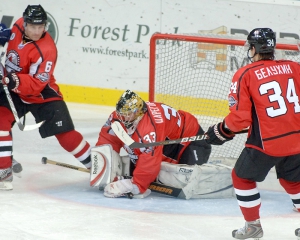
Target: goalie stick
(21,126)
(154,186)
(125,138)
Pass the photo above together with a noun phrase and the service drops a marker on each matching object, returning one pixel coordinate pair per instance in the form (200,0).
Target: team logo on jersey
(44,77)
(12,61)
(232,101)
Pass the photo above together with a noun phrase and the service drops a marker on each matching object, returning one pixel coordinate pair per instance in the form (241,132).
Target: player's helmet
(35,14)
(263,40)
(130,108)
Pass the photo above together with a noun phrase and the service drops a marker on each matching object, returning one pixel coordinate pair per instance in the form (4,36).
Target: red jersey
(265,96)
(34,63)
(159,123)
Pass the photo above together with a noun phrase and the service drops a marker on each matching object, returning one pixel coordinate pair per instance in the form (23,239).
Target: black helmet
(263,40)
(35,14)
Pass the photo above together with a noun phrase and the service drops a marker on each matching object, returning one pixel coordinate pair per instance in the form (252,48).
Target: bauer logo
(161,189)
(191,139)
(52,27)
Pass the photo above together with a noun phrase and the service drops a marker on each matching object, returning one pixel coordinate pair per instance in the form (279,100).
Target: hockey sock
(293,189)
(74,143)
(6,143)
(247,196)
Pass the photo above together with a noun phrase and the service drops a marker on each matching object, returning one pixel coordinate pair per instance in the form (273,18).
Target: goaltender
(177,165)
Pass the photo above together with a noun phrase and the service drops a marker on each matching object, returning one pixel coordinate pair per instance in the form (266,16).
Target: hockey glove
(218,134)
(11,81)
(4,34)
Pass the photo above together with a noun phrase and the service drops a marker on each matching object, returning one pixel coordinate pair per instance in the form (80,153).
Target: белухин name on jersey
(273,70)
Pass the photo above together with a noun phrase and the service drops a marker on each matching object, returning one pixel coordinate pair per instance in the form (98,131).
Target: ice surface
(52,202)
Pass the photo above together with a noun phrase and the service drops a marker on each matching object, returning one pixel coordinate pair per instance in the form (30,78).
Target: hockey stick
(154,186)
(14,111)
(125,138)
(46,160)
(167,190)
(11,103)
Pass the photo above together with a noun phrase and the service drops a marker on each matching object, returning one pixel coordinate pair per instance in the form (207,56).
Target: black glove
(218,134)
(11,81)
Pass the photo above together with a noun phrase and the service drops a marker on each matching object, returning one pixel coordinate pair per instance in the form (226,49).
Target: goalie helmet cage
(194,72)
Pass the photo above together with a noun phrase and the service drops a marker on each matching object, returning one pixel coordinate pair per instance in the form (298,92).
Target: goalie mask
(130,109)
(263,40)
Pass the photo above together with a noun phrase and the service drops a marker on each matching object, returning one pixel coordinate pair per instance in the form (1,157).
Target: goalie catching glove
(218,134)
(120,187)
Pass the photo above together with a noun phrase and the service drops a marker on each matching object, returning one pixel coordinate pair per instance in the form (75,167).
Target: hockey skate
(297,233)
(295,209)
(250,230)
(6,178)
(17,168)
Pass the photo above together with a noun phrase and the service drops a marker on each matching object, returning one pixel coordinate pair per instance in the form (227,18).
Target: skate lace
(248,227)
(242,230)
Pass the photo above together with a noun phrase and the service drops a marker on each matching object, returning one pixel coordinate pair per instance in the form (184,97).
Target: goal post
(193,72)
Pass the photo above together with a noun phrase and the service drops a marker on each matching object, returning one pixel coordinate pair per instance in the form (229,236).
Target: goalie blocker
(197,181)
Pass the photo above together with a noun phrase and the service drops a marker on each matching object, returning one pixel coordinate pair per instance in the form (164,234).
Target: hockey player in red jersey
(264,97)
(30,62)
(150,122)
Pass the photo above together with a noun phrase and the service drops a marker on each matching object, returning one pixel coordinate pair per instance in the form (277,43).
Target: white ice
(52,202)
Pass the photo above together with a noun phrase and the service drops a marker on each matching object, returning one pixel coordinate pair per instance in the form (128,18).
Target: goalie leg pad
(214,181)
(205,181)
(174,175)
(106,165)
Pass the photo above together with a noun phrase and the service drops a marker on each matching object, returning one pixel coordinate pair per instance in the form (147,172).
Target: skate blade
(19,174)
(143,195)
(6,186)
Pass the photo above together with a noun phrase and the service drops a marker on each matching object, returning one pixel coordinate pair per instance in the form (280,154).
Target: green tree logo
(52,28)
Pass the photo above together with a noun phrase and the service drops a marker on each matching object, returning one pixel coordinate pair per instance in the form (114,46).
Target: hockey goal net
(194,72)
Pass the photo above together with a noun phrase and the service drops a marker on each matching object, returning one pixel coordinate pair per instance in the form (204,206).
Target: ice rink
(52,202)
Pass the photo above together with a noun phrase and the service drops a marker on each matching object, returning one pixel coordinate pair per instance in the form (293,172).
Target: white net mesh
(195,75)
